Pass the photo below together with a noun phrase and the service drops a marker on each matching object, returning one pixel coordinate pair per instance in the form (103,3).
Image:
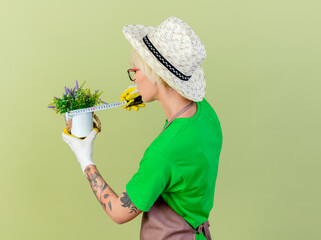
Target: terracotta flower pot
(82,124)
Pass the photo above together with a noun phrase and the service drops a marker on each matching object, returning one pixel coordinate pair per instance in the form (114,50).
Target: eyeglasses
(131,73)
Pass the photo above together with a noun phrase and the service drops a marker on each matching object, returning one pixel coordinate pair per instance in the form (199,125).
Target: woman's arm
(120,209)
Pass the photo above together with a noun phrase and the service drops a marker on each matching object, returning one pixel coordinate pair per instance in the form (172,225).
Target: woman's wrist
(87,167)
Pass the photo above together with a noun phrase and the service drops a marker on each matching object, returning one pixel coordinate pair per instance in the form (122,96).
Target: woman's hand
(82,148)
(129,95)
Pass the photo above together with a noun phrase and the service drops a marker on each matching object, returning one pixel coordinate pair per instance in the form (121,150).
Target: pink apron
(161,222)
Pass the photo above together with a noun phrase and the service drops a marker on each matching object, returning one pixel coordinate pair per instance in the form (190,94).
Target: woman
(174,185)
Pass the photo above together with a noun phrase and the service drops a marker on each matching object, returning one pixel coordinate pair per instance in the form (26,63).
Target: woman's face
(146,88)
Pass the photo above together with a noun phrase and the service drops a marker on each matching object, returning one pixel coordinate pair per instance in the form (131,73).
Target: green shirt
(181,165)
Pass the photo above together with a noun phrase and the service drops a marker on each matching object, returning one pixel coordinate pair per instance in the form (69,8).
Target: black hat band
(160,58)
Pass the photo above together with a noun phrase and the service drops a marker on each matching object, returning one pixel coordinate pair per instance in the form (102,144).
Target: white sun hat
(174,52)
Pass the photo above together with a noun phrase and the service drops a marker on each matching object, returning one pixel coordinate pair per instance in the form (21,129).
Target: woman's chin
(147,98)
(144,99)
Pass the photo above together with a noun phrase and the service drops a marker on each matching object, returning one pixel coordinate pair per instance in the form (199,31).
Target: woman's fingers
(98,125)
(68,125)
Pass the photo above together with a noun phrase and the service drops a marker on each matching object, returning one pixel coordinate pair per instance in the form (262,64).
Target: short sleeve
(151,179)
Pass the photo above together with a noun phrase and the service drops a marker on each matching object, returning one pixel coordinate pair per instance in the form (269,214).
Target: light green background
(263,80)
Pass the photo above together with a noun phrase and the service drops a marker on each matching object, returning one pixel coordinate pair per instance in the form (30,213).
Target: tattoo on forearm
(99,186)
(128,203)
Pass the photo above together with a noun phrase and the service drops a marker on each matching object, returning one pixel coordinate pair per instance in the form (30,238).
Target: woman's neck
(172,102)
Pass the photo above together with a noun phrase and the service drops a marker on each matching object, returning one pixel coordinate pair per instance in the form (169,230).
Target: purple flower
(66,90)
(76,87)
(51,107)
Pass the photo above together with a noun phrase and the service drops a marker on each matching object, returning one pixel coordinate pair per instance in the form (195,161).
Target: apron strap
(179,113)
(205,227)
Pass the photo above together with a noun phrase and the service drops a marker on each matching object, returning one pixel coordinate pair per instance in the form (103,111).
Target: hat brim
(193,89)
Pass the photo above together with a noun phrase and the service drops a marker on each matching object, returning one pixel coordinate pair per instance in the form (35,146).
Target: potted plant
(78,98)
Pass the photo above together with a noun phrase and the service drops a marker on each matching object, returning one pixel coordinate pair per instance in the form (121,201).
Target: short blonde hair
(137,61)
